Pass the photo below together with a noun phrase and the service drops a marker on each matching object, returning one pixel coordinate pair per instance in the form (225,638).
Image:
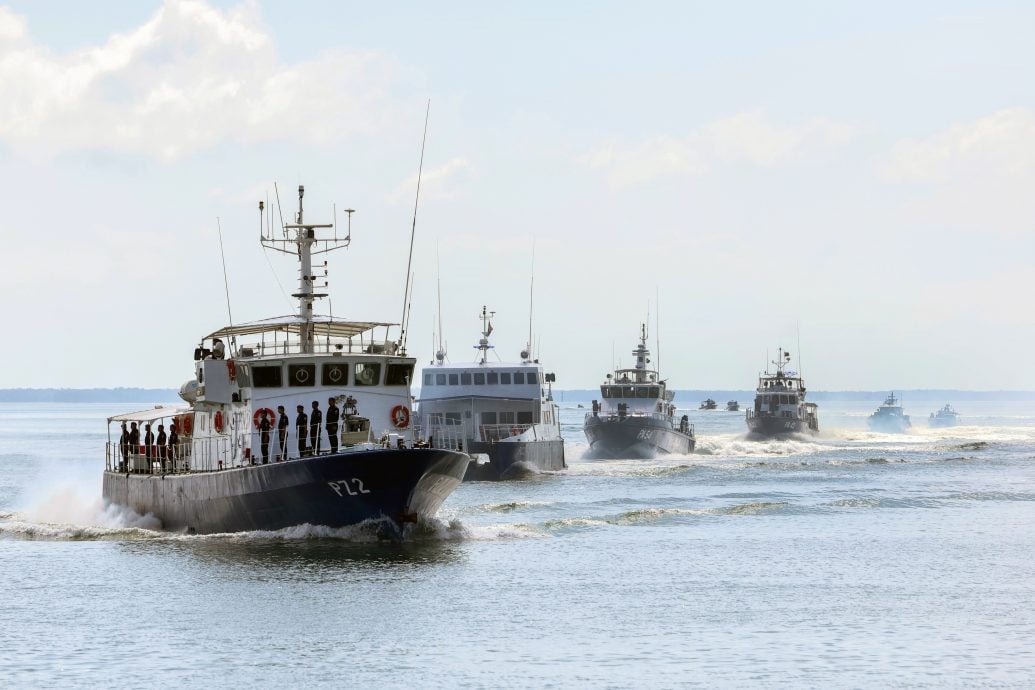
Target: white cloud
(190,77)
(1002,143)
(437,183)
(975,177)
(744,138)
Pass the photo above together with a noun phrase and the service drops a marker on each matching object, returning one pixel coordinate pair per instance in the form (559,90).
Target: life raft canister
(217,421)
(400,416)
(231,369)
(271,417)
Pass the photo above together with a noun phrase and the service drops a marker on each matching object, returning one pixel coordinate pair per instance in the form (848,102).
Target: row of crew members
(307,429)
(161,447)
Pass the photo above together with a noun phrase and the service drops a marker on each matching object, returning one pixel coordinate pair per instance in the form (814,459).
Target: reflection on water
(300,559)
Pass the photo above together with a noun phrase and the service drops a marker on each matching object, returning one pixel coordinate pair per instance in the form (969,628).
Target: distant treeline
(684,397)
(144,395)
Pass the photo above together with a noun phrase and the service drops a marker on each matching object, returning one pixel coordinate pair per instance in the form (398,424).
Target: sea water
(849,559)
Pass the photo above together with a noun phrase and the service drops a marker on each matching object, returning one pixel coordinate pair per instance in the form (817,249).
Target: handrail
(265,349)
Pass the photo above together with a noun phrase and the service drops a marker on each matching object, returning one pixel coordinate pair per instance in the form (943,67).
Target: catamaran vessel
(636,417)
(780,406)
(308,422)
(502,413)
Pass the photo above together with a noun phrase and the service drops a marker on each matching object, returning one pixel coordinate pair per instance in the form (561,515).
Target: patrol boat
(780,406)
(636,416)
(502,413)
(233,462)
(889,417)
(946,416)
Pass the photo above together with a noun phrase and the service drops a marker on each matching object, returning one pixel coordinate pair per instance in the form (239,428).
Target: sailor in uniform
(301,430)
(332,424)
(315,422)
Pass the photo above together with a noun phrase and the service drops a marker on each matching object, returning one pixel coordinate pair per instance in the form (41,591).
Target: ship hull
(771,427)
(513,459)
(940,422)
(889,425)
(634,437)
(401,485)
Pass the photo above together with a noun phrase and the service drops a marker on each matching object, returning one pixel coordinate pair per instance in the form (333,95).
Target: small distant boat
(733,406)
(944,417)
(780,406)
(889,417)
(709,404)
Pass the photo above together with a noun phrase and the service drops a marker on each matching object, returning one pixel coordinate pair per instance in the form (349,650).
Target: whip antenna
(226,282)
(413,233)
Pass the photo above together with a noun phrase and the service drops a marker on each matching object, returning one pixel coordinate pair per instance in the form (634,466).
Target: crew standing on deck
(315,422)
(174,442)
(124,447)
(162,452)
(301,429)
(282,431)
(264,436)
(149,444)
(332,424)
(134,438)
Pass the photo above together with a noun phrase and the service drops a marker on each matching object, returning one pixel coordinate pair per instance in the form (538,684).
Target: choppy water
(853,560)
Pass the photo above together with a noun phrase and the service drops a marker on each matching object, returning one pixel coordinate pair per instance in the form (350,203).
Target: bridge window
(519,377)
(605,391)
(492,378)
(465,379)
(368,374)
(506,417)
(531,377)
(488,417)
(427,379)
(398,374)
(336,374)
(654,391)
(302,374)
(642,392)
(479,379)
(267,377)
(505,378)
(454,379)
(440,379)
(524,417)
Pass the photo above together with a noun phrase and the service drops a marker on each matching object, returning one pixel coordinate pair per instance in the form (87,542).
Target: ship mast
(483,343)
(302,236)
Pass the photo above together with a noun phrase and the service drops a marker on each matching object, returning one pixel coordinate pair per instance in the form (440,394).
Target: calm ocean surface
(850,560)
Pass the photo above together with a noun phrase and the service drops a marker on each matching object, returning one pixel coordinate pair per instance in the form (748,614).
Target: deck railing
(211,454)
(292,347)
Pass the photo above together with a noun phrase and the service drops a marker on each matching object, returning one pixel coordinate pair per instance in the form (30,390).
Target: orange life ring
(231,369)
(187,424)
(400,416)
(217,421)
(271,416)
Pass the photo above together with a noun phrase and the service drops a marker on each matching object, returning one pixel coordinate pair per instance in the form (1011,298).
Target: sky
(851,182)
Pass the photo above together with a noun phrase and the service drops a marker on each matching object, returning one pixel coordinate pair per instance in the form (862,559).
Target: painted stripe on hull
(332,490)
(511,459)
(635,437)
